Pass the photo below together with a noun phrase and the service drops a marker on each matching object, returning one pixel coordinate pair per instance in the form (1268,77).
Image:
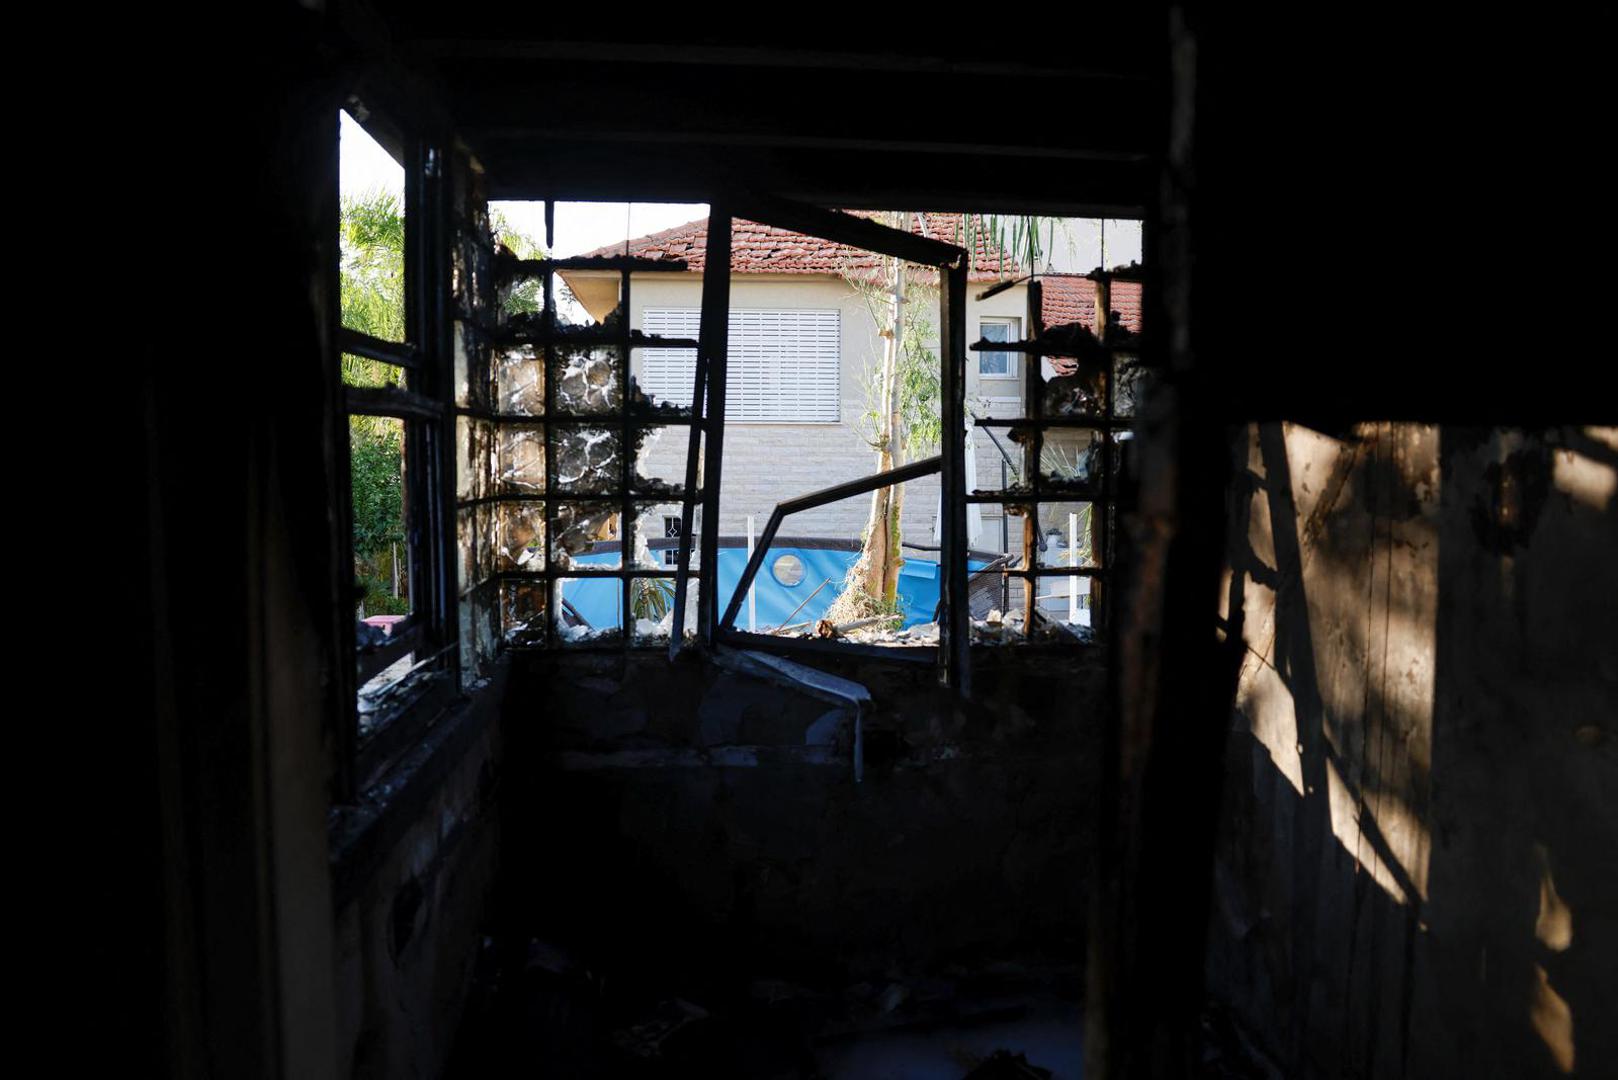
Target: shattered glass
(587,459)
(1077,389)
(473,441)
(522,612)
(588,610)
(588,379)
(1134,383)
(644,403)
(519,381)
(585,534)
(652,603)
(519,536)
(657,536)
(520,460)
(660,460)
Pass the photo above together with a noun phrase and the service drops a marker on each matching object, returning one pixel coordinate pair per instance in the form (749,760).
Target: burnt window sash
(708,420)
(429,542)
(548,337)
(1101,491)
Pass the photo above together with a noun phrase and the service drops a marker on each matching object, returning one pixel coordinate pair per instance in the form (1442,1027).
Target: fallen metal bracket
(812,681)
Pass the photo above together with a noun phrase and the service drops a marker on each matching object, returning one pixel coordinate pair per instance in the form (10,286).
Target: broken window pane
(473,441)
(662,381)
(589,609)
(660,460)
(657,536)
(522,612)
(1072,458)
(588,379)
(1068,535)
(998,610)
(480,632)
(1063,604)
(371,234)
(585,536)
(652,603)
(520,460)
(519,536)
(1074,386)
(519,381)
(381,534)
(1134,382)
(587,459)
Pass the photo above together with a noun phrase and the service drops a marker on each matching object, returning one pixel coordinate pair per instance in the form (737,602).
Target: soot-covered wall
(692,817)
(1416,872)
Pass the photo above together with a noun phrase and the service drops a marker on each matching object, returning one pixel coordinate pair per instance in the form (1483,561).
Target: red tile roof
(1071,298)
(763,249)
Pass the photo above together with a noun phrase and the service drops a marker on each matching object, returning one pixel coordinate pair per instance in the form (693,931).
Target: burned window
(393,419)
(564,508)
(1049,460)
(592,431)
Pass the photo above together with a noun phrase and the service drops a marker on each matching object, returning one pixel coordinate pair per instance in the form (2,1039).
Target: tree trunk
(879,561)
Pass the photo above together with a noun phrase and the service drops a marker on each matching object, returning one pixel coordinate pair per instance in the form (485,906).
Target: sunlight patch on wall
(1552,1020)
(1584,479)
(1554,927)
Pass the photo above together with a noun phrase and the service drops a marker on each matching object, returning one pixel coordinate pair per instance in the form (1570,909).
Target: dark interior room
(868,549)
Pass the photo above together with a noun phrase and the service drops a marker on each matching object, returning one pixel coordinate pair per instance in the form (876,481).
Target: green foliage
(371,238)
(376,456)
(526,297)
(920,389)
(371,242)
(651,598)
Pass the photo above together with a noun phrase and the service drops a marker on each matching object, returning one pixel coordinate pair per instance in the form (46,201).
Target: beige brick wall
(768,462)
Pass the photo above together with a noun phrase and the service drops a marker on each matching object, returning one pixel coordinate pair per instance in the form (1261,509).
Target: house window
(997,365)
(393,416)
(785,365)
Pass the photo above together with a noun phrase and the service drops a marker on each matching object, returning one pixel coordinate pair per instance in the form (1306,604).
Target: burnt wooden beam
(847,229)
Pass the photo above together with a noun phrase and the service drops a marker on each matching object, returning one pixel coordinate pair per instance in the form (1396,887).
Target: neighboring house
(803,345)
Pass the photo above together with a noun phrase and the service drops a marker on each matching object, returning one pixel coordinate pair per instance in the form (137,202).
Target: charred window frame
(1095,399)
(549,422)
(716,626)
(388,713)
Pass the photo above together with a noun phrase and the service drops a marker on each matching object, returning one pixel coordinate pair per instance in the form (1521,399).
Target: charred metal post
(1032,452)
(955,635)
(713,341)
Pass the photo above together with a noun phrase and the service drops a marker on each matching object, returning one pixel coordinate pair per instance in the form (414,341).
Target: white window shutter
(785,366)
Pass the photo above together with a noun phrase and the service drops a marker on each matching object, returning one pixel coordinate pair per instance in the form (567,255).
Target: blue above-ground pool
(789,574)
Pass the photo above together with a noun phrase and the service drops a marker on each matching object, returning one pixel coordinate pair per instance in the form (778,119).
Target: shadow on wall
(1416,877)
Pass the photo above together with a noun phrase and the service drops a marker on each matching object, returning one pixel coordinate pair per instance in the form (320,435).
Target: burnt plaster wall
(685,817)
(412,916)
(1415,874)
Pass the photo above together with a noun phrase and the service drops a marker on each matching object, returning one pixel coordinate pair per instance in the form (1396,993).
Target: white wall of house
(766,462)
